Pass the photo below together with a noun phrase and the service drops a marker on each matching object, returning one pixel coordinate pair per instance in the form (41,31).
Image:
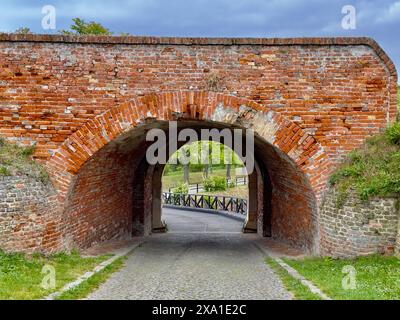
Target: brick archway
(287,136)
(293,161)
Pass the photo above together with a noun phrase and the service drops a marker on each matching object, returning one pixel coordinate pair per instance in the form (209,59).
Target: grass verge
(21,276)
(91,284)
(300,291)
(376,277)
(173,180)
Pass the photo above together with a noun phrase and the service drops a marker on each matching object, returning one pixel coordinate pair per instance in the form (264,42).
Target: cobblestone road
(203,256)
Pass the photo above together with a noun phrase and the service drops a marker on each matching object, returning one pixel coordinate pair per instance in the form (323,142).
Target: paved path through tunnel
(202,256)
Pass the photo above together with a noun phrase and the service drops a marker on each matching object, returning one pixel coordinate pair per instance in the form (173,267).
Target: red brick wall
(30,216)
(100,201)
(313,99)
(333,88)
(292,206)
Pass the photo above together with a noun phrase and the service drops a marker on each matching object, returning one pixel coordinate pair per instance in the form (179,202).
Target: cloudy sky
(379,19)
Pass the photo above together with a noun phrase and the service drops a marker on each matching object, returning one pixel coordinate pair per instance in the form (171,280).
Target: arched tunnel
(118,193)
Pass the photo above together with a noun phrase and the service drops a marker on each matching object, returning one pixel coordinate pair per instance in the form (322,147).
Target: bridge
(87,103)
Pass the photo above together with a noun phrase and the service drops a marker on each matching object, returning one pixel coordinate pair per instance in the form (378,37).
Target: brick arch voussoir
(302,148)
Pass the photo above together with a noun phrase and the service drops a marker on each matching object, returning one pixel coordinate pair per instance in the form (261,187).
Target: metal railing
(202,201)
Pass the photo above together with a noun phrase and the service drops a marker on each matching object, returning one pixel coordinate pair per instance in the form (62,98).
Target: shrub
(393,133)
(215,184)
(232,184)
(4,171)
(28,151)
(182,188)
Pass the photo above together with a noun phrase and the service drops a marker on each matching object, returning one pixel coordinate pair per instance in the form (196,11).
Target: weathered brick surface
(333,88)
(100,203)
(358,227)
(30,218)
(88,101)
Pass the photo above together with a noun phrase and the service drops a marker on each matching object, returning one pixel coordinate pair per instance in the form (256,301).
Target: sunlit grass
(21,276)
(376,277)
(238,192)
(300,291)
(374,169)
(174,179)
(93,283)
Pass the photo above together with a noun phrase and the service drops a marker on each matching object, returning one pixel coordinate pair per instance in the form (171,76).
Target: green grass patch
(376,277)
(94,282)
(373,170)
(17,160)
(175,180)
(237,192)
(21,275)
(300,291)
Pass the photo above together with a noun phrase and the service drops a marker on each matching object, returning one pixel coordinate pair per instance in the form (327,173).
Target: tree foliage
(203,152)
(373,169)
(203,156)
(23,30)
(81,27)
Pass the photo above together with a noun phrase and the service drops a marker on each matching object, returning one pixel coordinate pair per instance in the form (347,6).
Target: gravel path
(203,256)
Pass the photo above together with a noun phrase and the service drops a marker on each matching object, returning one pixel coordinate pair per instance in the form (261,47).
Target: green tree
(23,30)
(185,150)
(204,157)
(80,27)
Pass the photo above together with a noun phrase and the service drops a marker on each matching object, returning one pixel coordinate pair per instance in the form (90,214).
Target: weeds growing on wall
(373,170)
(17,160)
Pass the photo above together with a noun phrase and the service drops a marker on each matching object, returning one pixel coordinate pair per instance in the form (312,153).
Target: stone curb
(89,274)
(295,274)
